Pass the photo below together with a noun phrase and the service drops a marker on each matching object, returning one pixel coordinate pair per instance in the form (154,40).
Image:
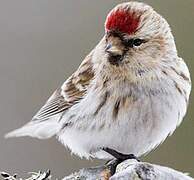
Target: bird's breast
(130,119)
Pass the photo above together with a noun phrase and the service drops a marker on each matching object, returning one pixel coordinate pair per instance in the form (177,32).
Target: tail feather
(38,129)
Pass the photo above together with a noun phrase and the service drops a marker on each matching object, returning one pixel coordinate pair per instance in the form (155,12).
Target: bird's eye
(133,42)
(137,42)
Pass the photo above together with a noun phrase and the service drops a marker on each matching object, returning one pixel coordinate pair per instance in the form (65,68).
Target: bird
(128,95)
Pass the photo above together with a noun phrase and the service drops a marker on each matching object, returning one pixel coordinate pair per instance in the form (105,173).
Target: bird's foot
(119,158)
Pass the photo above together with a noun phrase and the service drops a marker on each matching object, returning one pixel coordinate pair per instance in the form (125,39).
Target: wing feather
(71,92)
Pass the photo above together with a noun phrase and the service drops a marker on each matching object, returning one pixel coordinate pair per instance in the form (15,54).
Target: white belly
(139,127)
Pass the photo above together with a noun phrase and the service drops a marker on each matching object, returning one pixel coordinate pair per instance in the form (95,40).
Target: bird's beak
(113,50)
(115,54)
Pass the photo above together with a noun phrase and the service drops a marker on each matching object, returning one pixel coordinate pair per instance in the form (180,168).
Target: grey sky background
(41,44)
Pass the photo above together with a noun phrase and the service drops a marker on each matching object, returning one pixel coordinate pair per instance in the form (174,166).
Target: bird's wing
(71,92)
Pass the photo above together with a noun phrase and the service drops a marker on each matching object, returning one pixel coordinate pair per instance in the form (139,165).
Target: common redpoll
(128,94)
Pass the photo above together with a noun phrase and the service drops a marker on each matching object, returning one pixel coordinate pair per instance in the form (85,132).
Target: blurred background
(41,44)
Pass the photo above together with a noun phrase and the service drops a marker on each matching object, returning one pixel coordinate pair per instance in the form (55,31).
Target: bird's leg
(119,158)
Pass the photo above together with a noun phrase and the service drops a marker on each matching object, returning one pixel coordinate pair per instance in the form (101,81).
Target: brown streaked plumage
(181,74)
(116,109)
(70,93)
(102,103)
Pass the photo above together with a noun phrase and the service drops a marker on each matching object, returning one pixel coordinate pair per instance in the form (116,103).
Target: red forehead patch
(122,21)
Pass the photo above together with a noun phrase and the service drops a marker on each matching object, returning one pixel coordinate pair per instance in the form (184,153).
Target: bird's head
(137,39)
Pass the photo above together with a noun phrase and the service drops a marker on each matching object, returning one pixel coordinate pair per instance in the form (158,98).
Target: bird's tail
(39,129)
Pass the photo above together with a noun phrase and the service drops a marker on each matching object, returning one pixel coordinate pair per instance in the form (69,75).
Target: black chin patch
(115,59)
